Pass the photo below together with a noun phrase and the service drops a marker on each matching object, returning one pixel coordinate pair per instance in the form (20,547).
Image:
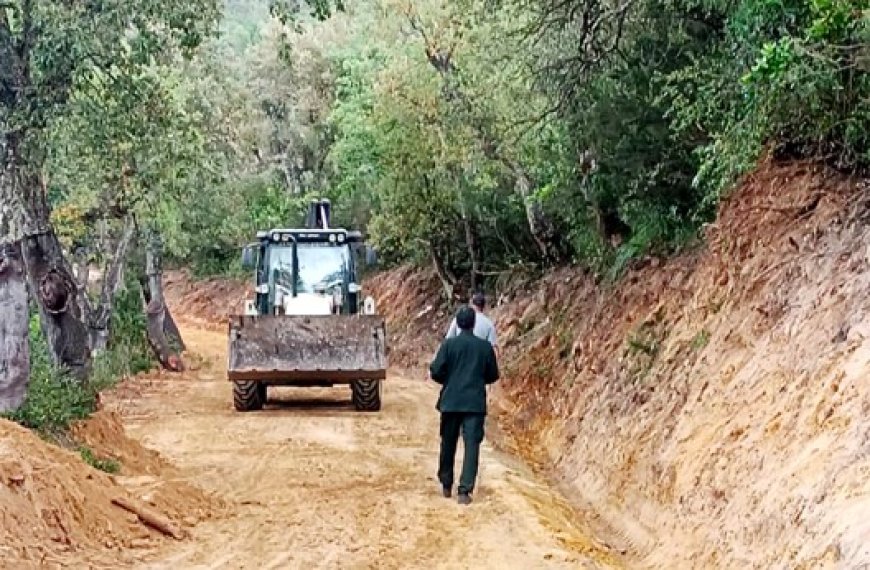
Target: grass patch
(650,347)
(108,465)
(701,340)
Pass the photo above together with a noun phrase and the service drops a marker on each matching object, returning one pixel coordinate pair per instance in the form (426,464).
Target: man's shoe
(464,499)
(447,492)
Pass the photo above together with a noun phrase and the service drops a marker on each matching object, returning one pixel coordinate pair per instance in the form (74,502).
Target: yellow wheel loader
(309,324)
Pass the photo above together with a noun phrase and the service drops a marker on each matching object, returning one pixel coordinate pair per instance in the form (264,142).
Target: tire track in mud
(313,484)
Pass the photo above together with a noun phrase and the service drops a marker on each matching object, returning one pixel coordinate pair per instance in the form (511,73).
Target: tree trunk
(14,321)
(82,273)
(448,281)
(54,288)
(14,313)
(50,278)
(471,244)
(163,334)
(539,225)
(101,318)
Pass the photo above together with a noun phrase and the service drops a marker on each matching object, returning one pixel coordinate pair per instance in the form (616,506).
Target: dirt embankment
(712,409)
(206,303)
(58,512)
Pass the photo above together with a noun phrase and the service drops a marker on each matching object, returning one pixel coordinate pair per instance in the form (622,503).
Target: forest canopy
(477,136)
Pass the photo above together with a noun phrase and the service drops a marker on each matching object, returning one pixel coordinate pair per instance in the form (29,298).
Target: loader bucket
(288,349)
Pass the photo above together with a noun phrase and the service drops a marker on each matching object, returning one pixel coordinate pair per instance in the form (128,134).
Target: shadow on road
(318,406)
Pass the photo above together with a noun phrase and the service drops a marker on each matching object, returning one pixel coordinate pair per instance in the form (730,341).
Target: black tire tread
(248,396)
(366,395)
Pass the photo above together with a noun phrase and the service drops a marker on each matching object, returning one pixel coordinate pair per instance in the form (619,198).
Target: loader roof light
(332,236)
(262,234)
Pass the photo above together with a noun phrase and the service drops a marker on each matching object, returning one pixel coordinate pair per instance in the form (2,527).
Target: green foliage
(462,134)
(128,352)
(109,465)
(800,88)
(701,340)
(669,102)
(54,399)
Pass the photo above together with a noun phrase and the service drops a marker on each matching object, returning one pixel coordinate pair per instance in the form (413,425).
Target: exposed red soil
(56,511)
(709,408)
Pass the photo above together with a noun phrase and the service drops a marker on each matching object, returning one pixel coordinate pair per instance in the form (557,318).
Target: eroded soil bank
(711,409)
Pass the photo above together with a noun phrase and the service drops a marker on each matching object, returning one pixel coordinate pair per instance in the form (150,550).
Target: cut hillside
(712,408)
(205,302)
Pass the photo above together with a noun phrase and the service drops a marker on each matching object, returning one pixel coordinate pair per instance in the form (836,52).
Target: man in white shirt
(483,326)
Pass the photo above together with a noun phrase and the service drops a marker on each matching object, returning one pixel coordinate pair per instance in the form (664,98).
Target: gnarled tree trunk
(56,293)
(163,334)
(447,278)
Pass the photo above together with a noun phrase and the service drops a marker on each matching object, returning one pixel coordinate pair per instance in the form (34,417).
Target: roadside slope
(711,408)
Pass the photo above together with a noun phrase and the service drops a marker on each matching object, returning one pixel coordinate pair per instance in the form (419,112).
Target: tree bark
(100,318)
(14,321)
(163,334)
(82,273)
(471,243)
(54,288)
(14,313)
(540,226)
(448,280)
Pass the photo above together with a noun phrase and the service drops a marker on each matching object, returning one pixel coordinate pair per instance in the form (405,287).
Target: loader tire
(248,396)
(366,395)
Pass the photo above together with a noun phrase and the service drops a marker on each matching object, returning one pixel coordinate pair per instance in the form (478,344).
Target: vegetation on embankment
(709,408)
(55,400)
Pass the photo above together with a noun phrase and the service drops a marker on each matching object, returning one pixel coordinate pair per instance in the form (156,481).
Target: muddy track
(310,483)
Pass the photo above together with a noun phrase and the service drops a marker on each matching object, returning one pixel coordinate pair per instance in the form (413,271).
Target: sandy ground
(313,484)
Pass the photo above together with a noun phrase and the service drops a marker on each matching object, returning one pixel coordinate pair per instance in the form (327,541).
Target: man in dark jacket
(464,365)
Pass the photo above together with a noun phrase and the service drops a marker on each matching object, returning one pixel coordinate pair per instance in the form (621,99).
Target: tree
(50,49)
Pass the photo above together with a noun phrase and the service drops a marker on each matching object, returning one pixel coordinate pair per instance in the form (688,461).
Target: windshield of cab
(320,267)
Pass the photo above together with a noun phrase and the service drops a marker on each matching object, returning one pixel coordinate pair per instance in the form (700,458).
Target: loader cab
(305,271)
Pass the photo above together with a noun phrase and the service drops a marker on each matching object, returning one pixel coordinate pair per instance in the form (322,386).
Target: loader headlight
(262,288)
(353,288)
(331,238)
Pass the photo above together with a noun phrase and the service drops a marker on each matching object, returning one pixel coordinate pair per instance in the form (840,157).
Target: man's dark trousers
(471,426)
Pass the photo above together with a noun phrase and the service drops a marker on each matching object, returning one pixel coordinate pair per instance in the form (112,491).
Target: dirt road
(310,483)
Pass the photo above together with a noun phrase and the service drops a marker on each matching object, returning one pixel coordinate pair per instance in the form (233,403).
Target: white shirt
(483,328)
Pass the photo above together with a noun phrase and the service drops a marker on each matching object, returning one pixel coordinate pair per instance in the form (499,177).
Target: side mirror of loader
(248,257)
